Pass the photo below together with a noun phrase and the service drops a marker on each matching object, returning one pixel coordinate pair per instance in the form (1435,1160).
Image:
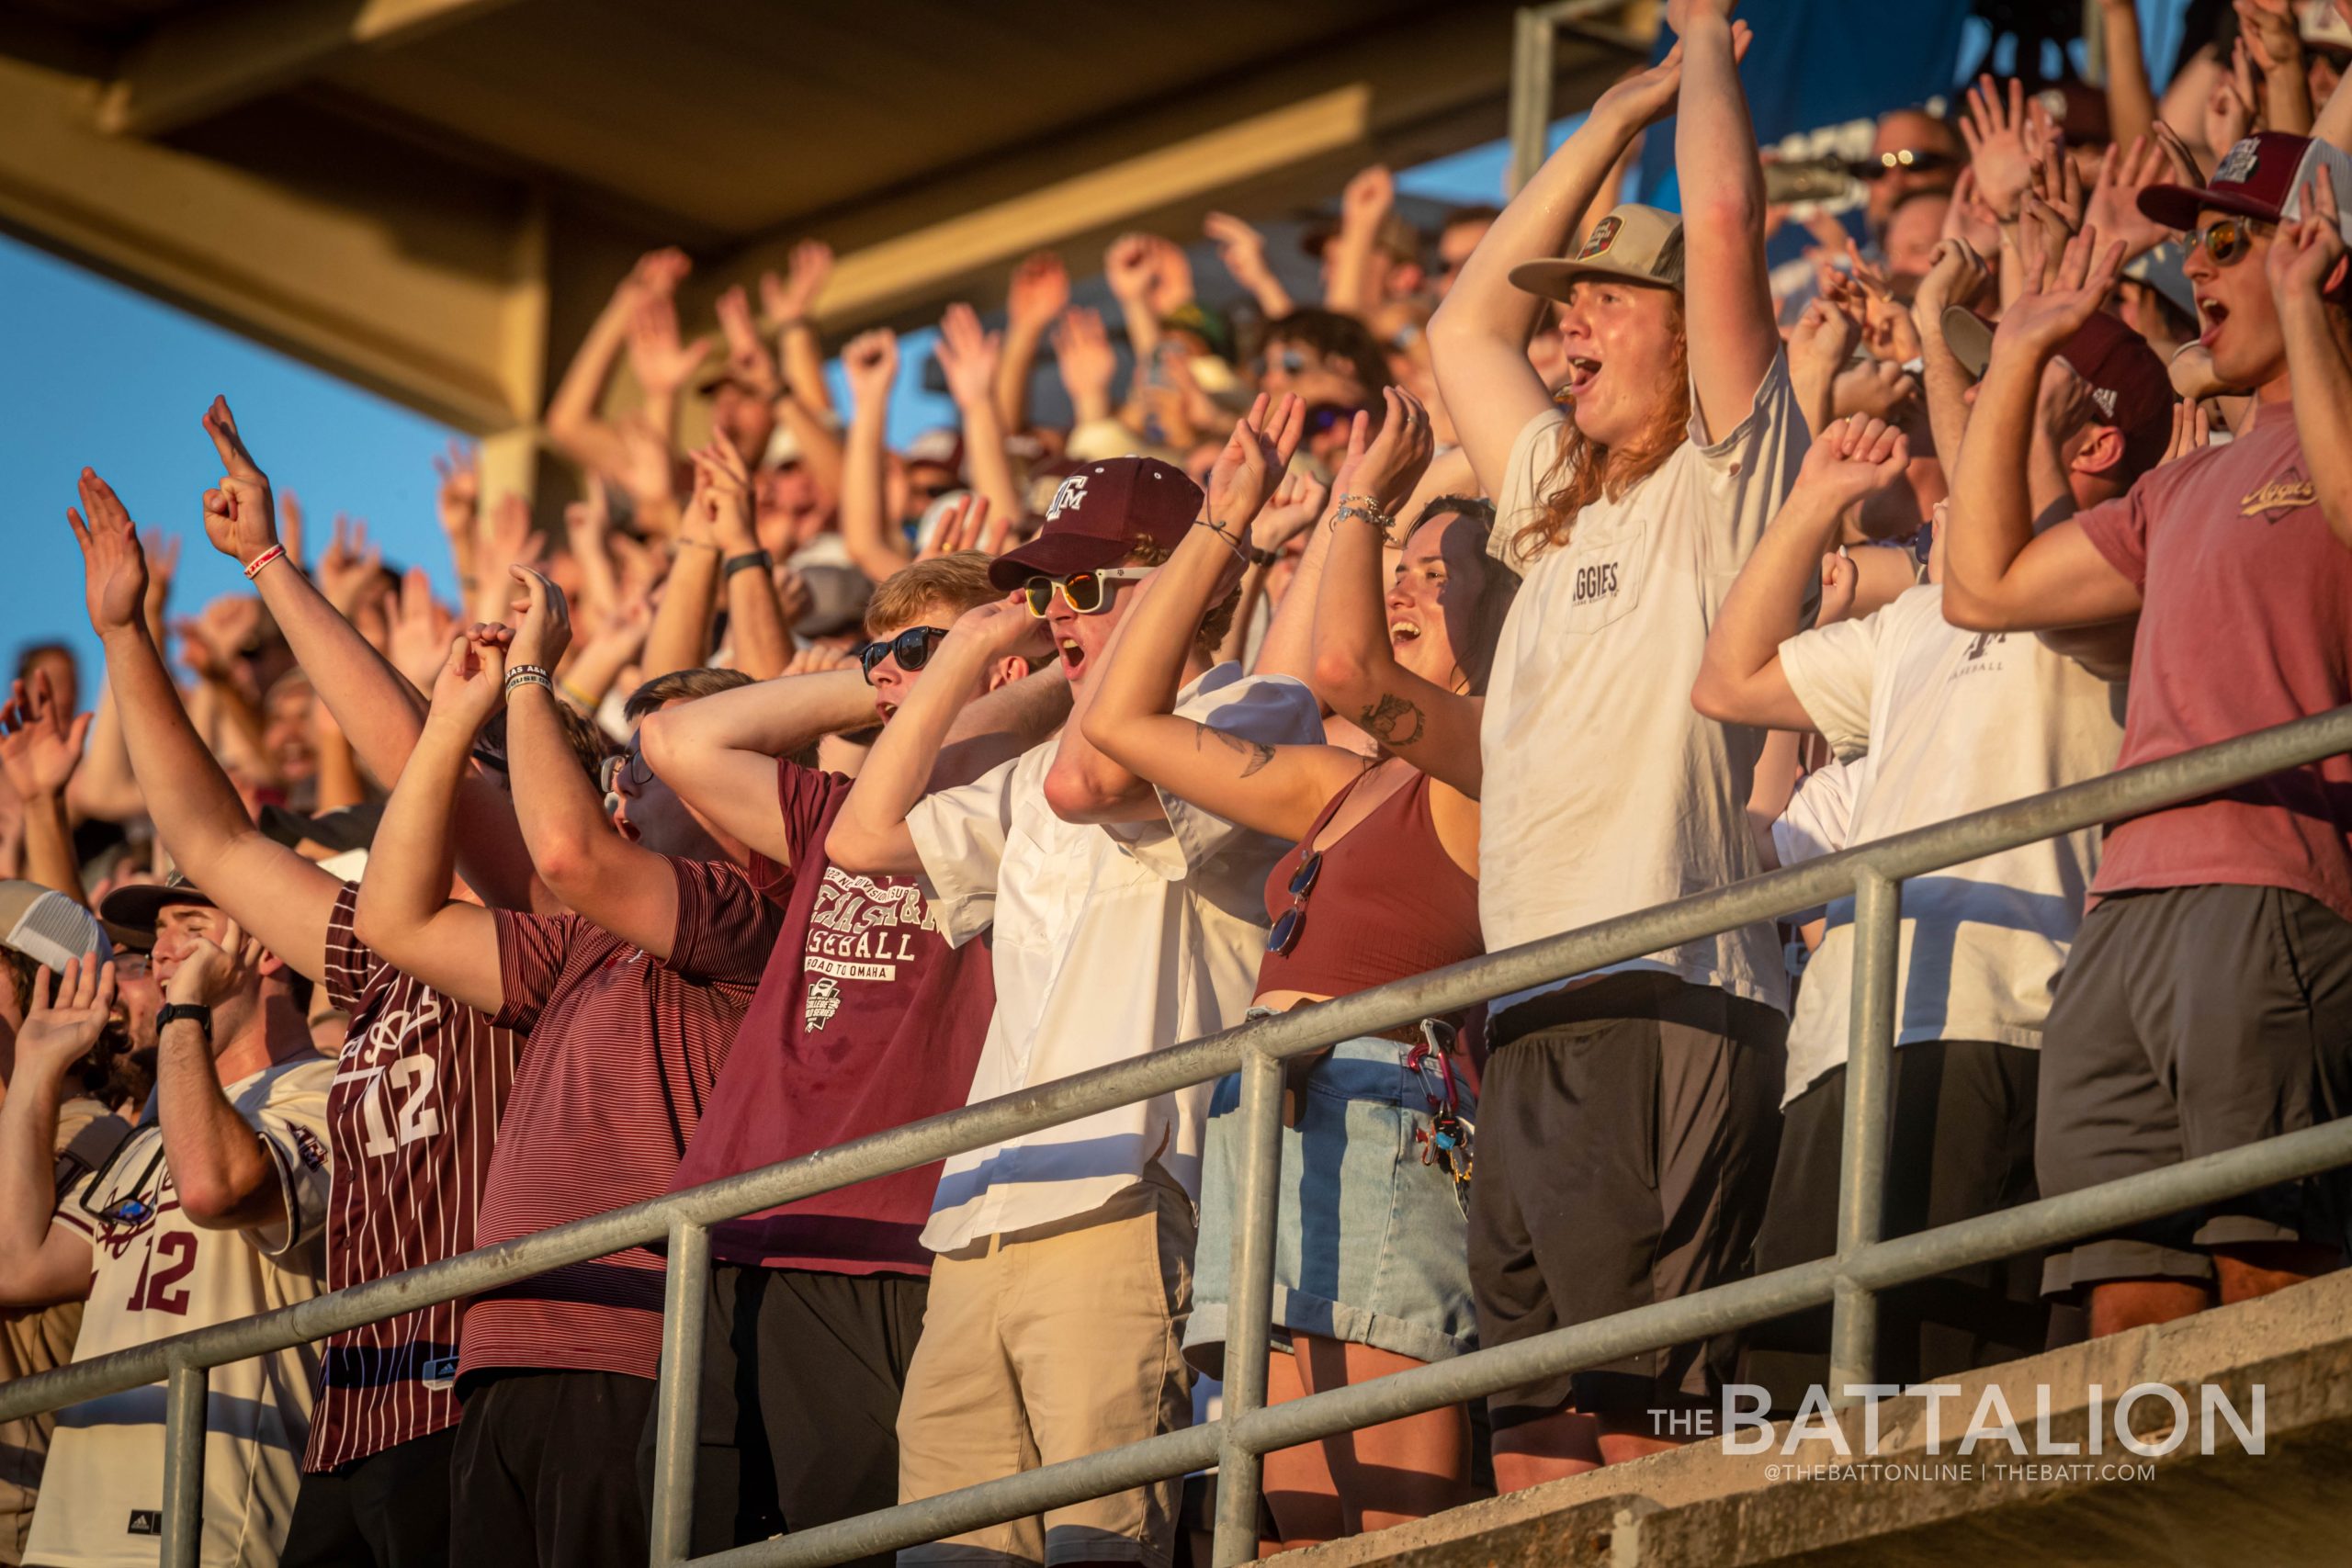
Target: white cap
(49,928)
(2321,24)
(2322,158)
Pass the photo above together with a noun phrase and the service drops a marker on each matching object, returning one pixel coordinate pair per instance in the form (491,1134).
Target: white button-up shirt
(1110,942)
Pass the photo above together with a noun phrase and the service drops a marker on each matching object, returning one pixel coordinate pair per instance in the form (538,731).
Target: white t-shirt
(1954,721)
(1817,820)
(102,1497)
(1111,943)
(1606,791)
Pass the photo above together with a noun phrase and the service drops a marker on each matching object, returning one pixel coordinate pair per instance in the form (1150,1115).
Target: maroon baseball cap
(2127,379)
(1098,516)
(2254,180)
(2130,384)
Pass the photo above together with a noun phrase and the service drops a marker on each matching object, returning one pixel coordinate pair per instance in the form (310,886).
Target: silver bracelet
(1369,511)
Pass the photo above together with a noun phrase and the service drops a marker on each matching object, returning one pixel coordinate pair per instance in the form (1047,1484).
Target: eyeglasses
(2227,240)
(910,647)
(630,766)
(1284,936)
(1906,160)
(1088,592)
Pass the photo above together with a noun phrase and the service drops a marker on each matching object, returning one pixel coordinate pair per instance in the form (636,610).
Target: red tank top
(1389,902)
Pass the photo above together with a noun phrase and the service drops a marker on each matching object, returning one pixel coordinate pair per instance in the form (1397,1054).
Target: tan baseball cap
(1638,243)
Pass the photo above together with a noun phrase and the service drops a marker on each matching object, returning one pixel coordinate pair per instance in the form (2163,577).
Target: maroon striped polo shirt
(622,1053)
(411,1118)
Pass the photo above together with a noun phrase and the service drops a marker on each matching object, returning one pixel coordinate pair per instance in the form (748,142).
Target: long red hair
(1585,471)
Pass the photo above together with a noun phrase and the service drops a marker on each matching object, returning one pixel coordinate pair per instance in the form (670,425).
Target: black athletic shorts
(2189,1021)
(390,1509)
(801,1375)
(1626,1132)
(1959,1144)
(545,1470)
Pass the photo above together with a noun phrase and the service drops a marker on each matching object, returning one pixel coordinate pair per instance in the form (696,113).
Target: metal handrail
(1871,872)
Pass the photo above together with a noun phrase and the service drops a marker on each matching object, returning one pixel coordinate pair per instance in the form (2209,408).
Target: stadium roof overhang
(433,198)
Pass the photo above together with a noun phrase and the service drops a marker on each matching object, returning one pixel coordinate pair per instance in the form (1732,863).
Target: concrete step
(2286,1506)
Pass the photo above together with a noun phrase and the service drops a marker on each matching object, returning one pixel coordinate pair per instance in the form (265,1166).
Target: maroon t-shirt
(2247,623)
(866,1019)
(622,1053)
(411,1118)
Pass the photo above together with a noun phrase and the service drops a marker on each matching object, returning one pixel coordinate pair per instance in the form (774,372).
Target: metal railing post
(1249,1311)
(1531,91)
(1870,1067)
(184,1424)
(679,1407)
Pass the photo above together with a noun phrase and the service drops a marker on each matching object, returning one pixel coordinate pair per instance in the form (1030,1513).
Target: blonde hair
(1585,471)
(948,584)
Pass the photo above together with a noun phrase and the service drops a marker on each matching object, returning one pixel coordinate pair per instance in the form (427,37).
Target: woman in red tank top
(1371,1274)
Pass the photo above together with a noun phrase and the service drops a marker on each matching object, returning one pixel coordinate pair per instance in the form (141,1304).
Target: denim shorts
(1371,1245)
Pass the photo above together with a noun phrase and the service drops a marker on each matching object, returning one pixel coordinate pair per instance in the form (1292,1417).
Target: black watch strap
(1262,558)
(744,562)
(172,1012)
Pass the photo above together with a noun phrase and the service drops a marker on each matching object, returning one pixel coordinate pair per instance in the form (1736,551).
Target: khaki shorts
(1049,1344)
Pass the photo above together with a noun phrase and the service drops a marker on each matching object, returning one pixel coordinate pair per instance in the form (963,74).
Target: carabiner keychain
(1445,1142)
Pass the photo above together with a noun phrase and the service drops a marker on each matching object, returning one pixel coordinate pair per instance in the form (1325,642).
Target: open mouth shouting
(2214,313)
(1402,630)
(1073,657)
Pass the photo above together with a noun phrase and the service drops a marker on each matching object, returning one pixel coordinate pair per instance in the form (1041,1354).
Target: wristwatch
(171,1012)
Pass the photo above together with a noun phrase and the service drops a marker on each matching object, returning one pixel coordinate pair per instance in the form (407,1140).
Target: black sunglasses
(910,647)
(1903,161)
(1321,418)
(1284,936)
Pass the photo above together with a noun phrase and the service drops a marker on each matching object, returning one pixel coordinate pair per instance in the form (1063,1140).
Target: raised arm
(1243,250)
(225,1179)
(2131,98)
(790,305)
(628,889)
(575,423)
(283,899)
(41,1260)
(1288,647)
(1999,575)
(1957,276)
(1740,678)
(41,747)
(1038,295)
(1479,335)
(1354,255)
(754,616)
(875,546)
(1129,716)
(1084,783)
(406,912)
(679,638)
(2306,261)
(869,832)
(968,356)
(380,713)
(1356,672)
(1727,300)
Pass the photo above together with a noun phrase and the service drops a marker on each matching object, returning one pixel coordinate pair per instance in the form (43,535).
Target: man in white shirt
(1123,921)
(212,1210)
(1952,722)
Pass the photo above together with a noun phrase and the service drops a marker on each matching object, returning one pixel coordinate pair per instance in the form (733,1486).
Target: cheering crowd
(1562,562)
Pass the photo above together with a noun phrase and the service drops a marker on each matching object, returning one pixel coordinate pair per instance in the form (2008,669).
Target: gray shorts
(2190,1020)
(1626,1146)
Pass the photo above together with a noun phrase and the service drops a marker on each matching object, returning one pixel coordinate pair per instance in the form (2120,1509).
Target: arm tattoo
(1256,754)
(1393,721)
